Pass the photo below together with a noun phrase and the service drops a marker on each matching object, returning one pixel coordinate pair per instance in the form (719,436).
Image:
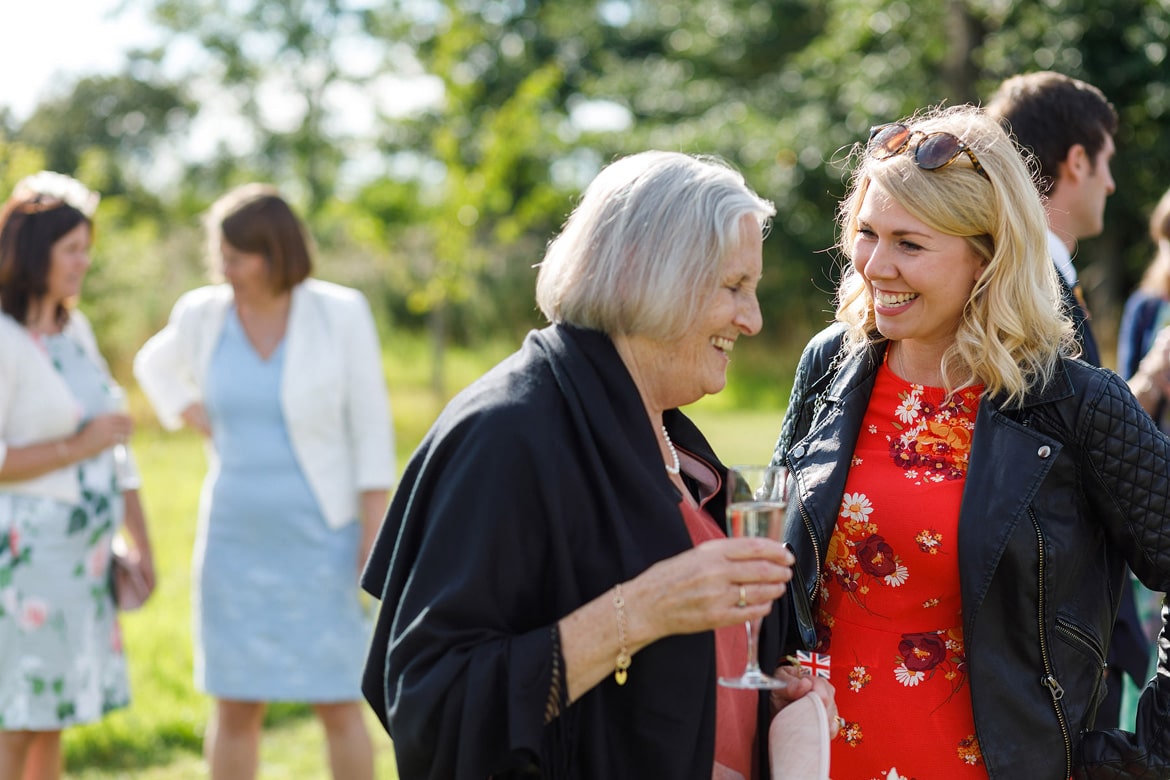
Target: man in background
(1068,125)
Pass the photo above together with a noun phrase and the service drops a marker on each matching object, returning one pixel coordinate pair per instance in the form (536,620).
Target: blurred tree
(119,126)
(272,76)
(785,89)
(442,204)
(17,160)
(494,140)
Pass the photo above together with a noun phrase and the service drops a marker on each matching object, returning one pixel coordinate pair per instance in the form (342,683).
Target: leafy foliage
(440,207)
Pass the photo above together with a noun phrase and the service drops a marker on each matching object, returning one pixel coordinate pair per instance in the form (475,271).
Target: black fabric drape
(539,487)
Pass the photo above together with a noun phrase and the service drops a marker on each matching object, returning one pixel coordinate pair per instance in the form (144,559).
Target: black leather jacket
(1060,493)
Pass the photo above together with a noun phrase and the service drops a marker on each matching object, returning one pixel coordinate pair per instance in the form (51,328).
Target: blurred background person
(1143,357)
(969,495)
(1067,126)
(283,375)
(67,485)
(558,594)
(1146,315)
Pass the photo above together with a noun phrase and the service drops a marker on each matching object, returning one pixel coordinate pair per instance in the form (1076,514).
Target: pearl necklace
(672,470)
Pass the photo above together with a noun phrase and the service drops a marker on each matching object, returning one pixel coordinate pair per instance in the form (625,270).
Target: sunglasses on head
(933,151)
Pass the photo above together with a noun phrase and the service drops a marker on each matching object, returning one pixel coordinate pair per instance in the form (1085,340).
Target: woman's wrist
(622,662)
(64,451)
(638,629)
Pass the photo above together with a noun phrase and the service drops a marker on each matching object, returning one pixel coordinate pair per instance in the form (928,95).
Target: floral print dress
(890,614)
(61,659)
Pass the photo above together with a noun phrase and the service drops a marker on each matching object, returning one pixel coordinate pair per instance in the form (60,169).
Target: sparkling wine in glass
(116,402)
(755,507)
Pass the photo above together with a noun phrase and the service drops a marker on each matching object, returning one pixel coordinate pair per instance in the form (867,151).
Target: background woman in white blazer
(283,375)
(67,483)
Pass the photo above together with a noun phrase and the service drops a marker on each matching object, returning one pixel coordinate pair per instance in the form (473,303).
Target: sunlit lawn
(160,735)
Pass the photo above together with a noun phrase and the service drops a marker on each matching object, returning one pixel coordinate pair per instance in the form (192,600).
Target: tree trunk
(964,35)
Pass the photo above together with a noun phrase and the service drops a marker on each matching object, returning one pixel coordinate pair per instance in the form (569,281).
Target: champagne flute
(755,507)
(116,402)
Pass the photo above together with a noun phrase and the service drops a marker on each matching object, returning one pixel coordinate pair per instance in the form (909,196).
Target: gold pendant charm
(620,666)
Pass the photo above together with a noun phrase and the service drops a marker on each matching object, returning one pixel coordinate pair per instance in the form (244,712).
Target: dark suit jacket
(1089,352)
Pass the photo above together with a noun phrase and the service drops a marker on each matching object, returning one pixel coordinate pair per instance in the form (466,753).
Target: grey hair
(643,249)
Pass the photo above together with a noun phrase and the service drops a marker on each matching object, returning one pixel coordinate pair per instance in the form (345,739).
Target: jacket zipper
(816,555)
(1049,680)
(1081,637)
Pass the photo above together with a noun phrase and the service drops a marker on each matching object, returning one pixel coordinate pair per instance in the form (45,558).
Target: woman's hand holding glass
(755,509)
(103,431)
(699,590)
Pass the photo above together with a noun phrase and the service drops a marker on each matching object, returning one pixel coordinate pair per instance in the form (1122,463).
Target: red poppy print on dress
(934,438)
(890,603)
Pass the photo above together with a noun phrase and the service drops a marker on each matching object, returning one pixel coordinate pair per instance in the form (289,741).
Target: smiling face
(68,263)
(681,371)
(731,311)
(919,278)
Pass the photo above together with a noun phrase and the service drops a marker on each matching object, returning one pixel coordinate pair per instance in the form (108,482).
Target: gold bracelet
(623,657)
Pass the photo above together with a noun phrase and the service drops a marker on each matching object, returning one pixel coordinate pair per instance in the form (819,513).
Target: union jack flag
(816,663)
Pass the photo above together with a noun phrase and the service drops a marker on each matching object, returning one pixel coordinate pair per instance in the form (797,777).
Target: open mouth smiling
(893,299)
(723,344)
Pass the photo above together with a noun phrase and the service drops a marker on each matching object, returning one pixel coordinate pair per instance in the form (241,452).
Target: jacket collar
(854,373)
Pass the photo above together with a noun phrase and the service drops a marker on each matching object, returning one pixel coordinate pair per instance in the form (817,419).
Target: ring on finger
(742,597)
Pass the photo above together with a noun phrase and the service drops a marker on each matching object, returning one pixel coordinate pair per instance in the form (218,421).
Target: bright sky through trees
(51,42)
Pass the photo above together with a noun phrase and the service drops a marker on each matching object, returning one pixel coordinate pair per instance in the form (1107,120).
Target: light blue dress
(277,610)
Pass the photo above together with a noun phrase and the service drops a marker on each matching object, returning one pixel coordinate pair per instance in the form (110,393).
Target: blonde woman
(966,495)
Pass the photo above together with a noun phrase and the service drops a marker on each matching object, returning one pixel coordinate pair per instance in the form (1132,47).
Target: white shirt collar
(1063,258)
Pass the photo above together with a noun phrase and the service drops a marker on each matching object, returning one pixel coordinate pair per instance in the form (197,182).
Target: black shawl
(538,488)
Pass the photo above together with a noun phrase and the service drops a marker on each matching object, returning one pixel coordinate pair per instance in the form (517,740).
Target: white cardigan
(333,392)
(37,406)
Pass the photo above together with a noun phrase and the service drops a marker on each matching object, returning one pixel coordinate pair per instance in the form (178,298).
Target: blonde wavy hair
(1013,329)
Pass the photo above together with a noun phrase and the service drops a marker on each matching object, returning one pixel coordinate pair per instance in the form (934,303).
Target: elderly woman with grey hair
(558,592)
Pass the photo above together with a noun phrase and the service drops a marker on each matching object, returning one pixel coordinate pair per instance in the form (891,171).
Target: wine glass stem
(753,637)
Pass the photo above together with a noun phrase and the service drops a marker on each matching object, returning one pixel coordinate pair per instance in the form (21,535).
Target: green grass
(160,735)
(738,435)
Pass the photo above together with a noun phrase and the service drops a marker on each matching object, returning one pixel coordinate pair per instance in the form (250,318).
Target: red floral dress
(890,615)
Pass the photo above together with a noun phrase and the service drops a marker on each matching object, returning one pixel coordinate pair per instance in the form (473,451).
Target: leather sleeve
(814,373)
(1128,480)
